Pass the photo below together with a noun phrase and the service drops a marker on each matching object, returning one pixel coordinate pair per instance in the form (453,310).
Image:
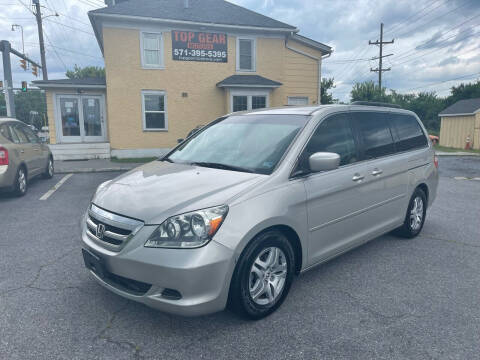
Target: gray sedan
(22,156)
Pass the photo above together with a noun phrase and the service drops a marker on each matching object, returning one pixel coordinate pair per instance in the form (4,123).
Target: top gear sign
(199,46)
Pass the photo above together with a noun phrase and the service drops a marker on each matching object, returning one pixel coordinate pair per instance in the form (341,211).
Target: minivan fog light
(189,230)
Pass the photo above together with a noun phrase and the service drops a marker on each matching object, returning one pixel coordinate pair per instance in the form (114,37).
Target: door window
(91,117)
(240,103)
(19,134)
(248,102)
(408,133)
(32,138)
(70,117)
(5,132)
(375,132)
(335,135)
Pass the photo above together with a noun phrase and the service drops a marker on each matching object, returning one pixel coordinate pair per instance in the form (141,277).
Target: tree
(86,72)
(30,107)
(368,91)
(464,91)
(327,84)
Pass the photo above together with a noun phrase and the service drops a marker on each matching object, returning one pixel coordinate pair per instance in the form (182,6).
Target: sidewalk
(88,166)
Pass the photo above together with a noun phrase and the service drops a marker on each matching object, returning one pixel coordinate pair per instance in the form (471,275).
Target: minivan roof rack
(376,103)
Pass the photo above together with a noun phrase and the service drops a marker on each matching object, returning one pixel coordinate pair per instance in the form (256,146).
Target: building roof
(248,81)
(198,11)
(75,83)
(462,107)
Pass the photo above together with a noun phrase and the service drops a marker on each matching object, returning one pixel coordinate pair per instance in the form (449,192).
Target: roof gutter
(319,62)
(69,86)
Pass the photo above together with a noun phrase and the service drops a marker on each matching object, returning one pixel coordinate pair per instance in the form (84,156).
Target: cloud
(434,41)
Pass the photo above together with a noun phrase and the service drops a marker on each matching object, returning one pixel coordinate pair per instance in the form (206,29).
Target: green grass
(449,149)
(134,160)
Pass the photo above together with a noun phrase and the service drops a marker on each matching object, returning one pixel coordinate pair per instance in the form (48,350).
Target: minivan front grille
(110,230)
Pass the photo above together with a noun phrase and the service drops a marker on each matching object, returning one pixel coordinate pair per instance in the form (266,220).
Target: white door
(80,118)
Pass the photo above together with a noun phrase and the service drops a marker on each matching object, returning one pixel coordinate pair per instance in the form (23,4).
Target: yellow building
(460,124)
(172,65)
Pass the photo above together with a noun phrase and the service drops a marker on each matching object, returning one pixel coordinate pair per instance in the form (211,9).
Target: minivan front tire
(263,276)
(415,217)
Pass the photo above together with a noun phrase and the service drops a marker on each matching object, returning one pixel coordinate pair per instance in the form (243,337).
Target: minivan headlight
(189,230)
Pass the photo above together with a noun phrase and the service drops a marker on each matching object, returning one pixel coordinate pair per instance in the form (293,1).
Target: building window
(242,101)
(297,100)
(245,54)
(259,102)
(154,104)
(152,50)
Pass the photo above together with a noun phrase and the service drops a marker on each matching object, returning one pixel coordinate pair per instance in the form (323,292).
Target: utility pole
(38,15)
(380,68)
(6,50)
(7,77)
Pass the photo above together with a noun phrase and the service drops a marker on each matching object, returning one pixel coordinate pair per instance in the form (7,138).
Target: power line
(55,51)
(435,18)
(441,82)
(70,27)
(404,54)
(397,26)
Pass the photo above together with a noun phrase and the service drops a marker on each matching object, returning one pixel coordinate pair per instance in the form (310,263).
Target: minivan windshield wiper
(222,166)
(168,159)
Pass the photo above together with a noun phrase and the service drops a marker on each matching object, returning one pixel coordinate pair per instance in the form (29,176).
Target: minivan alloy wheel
(267,276)
(50,167)
(416,214)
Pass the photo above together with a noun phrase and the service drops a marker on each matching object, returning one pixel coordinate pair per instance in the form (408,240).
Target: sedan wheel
(21,182)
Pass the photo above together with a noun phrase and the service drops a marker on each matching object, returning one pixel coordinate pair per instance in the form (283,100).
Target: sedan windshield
(250,143)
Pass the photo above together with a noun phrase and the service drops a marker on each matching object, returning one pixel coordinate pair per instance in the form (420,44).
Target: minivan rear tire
(412,228)
(50,169)
(240,298)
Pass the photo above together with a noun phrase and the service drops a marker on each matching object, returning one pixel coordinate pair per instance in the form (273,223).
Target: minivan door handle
(377,172)
(358,177)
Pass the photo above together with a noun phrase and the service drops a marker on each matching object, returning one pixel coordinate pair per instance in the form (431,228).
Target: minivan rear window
(375,132)
(408,133)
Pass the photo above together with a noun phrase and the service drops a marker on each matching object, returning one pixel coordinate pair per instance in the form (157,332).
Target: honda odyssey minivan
(232,214)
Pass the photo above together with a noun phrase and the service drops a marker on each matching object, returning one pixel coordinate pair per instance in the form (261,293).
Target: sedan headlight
(189,230)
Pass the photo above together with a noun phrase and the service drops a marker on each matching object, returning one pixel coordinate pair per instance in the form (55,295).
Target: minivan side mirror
(323,161)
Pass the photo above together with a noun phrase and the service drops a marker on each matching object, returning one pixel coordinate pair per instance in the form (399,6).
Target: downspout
(319,62)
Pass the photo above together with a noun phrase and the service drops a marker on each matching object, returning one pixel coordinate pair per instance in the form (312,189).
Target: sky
(436,42)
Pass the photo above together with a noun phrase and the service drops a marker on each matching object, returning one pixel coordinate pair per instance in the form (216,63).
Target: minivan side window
(375,132)
(335,135)
(408,133)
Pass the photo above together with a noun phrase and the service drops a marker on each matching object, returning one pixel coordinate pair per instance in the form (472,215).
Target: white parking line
(56,187)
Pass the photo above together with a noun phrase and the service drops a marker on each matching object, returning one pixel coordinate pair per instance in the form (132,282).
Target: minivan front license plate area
(94,263)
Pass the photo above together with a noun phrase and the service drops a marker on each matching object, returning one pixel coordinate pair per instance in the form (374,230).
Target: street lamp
(14,26)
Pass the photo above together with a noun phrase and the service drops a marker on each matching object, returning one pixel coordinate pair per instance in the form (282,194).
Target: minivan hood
(158,190)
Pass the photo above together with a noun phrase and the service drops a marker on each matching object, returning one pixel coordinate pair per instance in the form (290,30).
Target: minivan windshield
(251,143)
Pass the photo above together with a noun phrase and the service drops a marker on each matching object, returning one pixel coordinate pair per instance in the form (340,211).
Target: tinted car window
(408,133)
(332,135)
(32,138)
(5,132)
(18,133)
(375,132)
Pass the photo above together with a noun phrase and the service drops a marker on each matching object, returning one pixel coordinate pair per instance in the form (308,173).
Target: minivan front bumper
(200,276)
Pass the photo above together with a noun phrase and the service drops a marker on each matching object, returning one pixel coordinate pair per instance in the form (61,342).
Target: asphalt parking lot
(391,298)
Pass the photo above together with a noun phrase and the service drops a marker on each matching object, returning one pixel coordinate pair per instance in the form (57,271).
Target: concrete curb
(456,154)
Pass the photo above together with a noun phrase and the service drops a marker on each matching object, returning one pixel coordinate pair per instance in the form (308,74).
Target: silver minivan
(22,156)
(233,213)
